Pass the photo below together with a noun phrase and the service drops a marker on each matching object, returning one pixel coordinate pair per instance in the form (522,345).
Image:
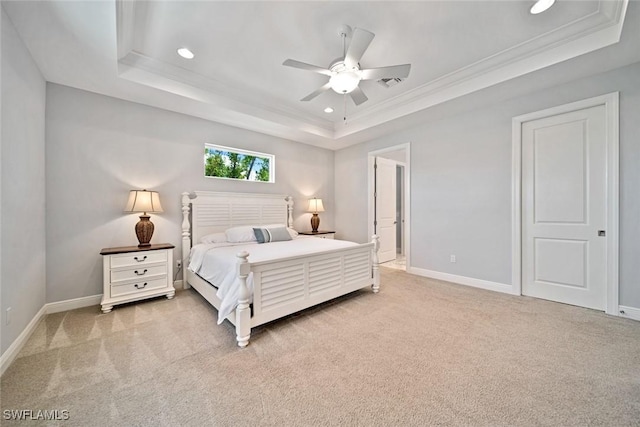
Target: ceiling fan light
(344,82)
(541,5)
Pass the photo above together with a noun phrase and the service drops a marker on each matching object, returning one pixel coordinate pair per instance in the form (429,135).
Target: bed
(282,285)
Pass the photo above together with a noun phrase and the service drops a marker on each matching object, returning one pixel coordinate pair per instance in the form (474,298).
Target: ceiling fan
(345,73)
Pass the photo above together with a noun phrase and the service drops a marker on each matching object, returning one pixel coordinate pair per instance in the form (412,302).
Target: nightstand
(323,234)
(131,273)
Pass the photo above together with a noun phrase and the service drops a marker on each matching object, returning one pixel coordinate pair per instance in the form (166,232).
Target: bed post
(186,238)
(289,200)
(243,312)
(376,270)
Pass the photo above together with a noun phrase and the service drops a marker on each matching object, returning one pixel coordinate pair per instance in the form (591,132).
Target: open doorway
(401,260)
(389,201)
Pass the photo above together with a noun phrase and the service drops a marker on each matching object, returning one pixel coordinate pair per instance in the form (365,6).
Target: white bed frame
(283,286)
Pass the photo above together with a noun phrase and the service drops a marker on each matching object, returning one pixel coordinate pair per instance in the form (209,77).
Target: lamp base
(144,231)
(315,222)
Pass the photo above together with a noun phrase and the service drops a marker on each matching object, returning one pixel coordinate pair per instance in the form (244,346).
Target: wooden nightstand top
(315,233)
(126,249)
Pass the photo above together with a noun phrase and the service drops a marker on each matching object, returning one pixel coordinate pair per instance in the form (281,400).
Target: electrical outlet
(452,258)
(7,319)
(178,263)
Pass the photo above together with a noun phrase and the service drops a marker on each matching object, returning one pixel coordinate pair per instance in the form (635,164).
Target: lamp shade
(143,201)
(315,205)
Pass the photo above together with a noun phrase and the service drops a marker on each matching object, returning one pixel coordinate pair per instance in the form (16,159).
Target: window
(232,163)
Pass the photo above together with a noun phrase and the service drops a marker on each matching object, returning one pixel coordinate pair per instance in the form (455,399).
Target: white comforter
(217,263)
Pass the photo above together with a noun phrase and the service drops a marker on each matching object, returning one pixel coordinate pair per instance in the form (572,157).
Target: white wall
(397,155)
(461,180)
(22,171)
(98,148)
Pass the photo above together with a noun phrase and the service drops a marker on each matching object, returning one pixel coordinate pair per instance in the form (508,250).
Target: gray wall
(98,148)
(461,180)
(22,280)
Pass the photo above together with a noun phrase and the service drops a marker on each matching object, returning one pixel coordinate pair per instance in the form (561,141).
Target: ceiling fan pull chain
(344,97)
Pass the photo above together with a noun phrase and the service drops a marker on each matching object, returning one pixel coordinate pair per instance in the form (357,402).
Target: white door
(386,208)
(564,208)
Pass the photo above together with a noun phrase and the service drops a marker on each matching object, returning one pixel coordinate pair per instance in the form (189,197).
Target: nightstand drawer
(138,287)
(143,272)
(137,259)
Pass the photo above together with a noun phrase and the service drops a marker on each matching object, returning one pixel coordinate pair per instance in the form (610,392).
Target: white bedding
(217,263)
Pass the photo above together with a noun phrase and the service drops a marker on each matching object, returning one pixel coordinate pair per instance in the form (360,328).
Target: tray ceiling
(128,48)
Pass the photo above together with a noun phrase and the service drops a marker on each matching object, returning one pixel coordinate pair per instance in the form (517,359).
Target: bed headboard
(213,212)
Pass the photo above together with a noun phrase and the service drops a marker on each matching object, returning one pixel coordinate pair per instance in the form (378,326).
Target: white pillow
(214,238)
(240,234)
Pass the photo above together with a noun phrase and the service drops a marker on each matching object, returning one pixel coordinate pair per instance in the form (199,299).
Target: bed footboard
(293,284)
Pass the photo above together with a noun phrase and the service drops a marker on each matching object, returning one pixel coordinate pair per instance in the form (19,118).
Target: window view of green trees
(230,164)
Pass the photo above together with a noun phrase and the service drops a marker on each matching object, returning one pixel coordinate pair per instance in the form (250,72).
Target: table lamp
(315,206)
(146,202)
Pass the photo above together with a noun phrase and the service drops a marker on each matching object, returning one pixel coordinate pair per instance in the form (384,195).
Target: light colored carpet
(422,352)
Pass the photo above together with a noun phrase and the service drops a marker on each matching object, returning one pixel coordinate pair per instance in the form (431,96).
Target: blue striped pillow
(271,234)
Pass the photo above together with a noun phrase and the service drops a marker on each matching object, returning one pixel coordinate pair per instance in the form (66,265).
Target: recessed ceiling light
(328,110)
(541,5)
(185,53)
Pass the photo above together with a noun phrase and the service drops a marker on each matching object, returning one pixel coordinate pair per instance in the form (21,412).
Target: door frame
(406,237)
(403,191)
(611,104)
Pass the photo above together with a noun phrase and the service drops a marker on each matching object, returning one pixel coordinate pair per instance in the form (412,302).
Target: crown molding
(169,78)
(591,32)
(125,25)
(267,114)
(264,114)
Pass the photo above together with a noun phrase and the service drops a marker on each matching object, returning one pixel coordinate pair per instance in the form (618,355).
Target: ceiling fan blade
(394,71)
(317,92)
(358,96)
(359,43)
(308,67)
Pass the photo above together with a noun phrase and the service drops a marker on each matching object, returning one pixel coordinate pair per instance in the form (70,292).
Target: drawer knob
(140,287)
(144,258)
(141,274)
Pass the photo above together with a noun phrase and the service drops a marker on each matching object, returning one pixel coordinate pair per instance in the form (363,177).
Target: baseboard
(177,284)
(53,307)
(629,312)
(462,280)
(8,356)
(72,304)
